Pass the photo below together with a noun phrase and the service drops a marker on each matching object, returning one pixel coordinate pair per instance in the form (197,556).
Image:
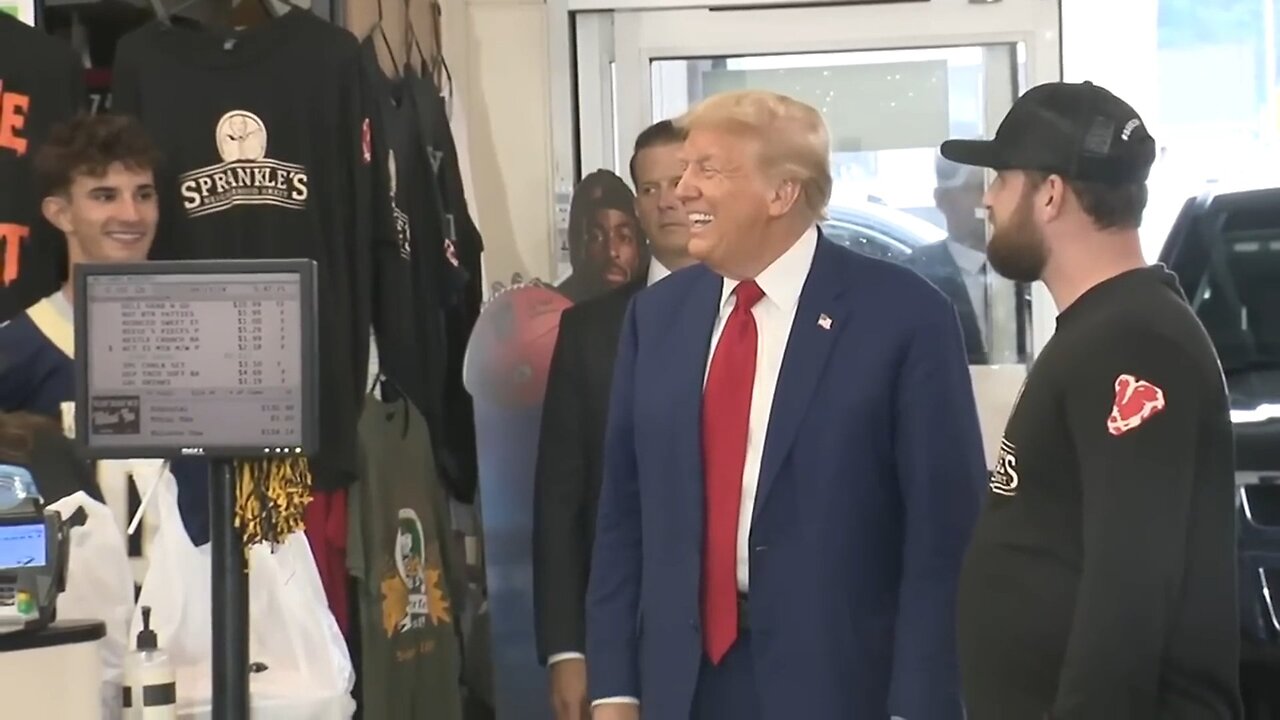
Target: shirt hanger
(381,28)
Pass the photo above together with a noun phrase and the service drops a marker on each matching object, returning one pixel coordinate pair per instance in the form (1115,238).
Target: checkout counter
(58,669)
(55,664)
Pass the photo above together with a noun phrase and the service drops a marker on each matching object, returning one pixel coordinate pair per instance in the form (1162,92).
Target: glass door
(892,81)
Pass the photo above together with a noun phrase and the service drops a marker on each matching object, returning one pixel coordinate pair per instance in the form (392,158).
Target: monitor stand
(230,597)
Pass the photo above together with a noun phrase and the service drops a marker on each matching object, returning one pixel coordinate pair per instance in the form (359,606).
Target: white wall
(508,122)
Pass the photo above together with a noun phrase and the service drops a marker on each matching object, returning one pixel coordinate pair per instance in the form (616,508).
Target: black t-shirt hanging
(40,86)
(460,259)
(459,284)
(407,314)
(268,150)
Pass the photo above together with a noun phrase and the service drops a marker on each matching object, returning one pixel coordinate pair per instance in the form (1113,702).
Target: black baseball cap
(1077,130)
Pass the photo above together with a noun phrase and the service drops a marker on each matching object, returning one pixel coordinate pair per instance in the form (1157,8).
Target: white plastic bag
(99,587)
(291,629)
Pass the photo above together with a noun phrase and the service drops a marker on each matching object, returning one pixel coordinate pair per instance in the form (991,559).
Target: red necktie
(726,408)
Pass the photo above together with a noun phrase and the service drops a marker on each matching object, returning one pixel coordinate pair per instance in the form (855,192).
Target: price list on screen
(189,360)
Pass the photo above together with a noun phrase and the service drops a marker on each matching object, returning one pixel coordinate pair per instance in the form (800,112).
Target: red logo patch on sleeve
(1136,401)
(366,141)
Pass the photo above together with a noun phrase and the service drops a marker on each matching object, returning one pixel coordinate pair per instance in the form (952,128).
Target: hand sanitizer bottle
(150,690)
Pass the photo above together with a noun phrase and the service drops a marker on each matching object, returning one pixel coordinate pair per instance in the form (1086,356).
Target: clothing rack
(323,8)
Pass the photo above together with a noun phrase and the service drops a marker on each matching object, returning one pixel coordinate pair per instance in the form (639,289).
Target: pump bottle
(150,689)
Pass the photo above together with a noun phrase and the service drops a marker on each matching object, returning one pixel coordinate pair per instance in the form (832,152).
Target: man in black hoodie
(606,247)
(1100,583)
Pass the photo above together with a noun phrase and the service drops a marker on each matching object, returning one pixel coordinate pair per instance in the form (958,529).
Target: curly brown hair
(89,145)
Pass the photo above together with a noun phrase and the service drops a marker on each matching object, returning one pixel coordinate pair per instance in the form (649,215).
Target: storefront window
(1204,77)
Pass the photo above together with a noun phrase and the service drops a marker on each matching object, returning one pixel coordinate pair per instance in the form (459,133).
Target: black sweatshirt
(267,147)
(1101,580)
(408,317)
(41,84)
(457,281)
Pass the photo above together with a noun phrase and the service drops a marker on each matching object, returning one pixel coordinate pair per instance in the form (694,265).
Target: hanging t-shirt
(458,283)
(400,553)
(97,85)
(407,318)
(40,86)
(267,148)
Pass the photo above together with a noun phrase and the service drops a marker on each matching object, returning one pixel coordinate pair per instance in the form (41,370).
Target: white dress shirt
(973,269)
(774,314)
(657,271)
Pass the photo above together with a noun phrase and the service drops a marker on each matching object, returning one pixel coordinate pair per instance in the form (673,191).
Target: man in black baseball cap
(1075,143)
(1100,581)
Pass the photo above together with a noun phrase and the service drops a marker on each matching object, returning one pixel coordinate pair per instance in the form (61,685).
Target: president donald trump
(792,465)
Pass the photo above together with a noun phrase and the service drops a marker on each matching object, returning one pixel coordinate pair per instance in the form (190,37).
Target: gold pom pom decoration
(271,496)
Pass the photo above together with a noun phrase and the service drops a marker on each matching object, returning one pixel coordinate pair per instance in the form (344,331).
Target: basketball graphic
(509,354)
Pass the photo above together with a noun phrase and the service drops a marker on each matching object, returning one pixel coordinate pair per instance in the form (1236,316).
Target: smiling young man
(96,177)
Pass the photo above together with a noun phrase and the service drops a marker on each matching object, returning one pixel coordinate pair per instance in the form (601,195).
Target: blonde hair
(793,137)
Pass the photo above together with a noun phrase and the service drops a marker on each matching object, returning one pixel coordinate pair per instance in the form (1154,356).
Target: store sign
(13,119)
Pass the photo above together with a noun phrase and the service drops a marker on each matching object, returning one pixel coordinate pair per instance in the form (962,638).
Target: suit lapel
(819,320)
(686,355)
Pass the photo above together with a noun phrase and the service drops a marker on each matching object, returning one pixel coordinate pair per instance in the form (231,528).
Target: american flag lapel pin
(824,321)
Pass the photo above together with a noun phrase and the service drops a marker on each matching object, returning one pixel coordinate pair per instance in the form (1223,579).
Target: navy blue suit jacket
(870,485)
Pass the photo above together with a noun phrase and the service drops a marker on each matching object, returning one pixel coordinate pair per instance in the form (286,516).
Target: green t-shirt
(399,551)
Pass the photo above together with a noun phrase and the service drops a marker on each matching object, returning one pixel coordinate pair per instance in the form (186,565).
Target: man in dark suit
(567,477)
(958,265)
(792,460)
